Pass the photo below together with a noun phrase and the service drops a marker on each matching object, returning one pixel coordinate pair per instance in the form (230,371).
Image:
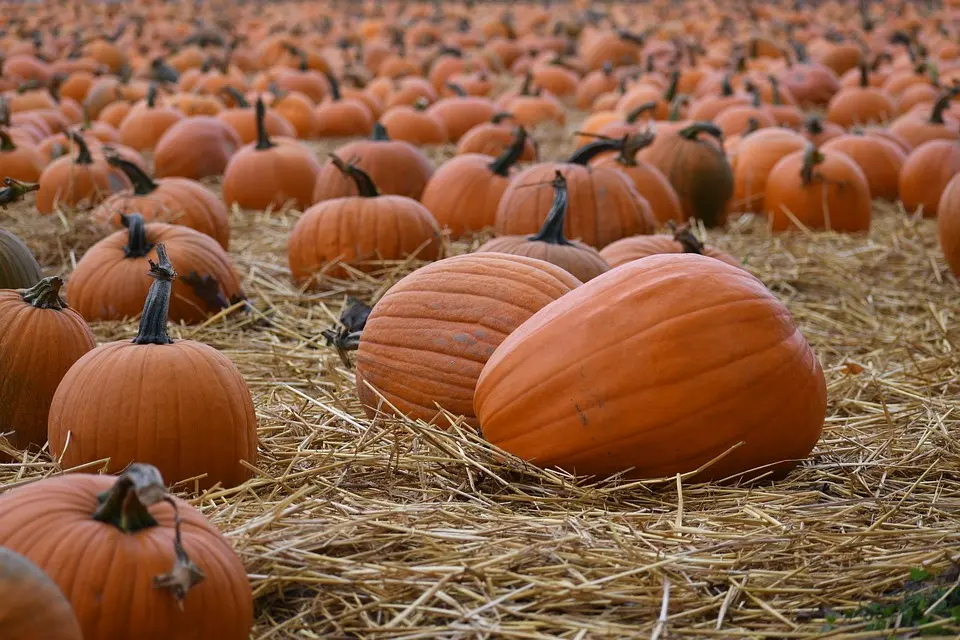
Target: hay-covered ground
(359,528)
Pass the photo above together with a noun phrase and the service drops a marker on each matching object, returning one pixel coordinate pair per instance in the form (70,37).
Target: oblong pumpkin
(31,605)
(658,366)
(427,339)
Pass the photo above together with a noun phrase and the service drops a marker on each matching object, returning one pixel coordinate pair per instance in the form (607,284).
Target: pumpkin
(40,339)
(710,106)
(361,231)
(31,605)
(169,400)
(861,105)
(18,268)
(428,337)
(108,282)
(464,193)
(926,173)
(916,130)
(818,190)
(81,182)
(741,119)
(147,122)
(818,131)
(879,159)
(339,117)
(550,245)
(461,112)
(697,169)
(247,122)
(195,148)
(948,224)
(682,240)
(650,183)
(593,85)
(398,168)
(494,137)
(19,161)
(174,200)
(656,376)
(757,154)
(414,125)
(270,174)
(297,109)
(108,541)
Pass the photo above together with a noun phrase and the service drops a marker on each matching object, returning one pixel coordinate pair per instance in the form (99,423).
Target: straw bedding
(359,528)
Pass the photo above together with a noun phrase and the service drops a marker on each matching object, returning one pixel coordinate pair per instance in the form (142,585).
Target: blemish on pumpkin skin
(583,416)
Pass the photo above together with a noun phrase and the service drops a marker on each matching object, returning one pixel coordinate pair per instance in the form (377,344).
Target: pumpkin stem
(236,96)
(185,574)
(775,97)
(691,132)
(458,90)
(880,59)
(511,155)
(676,107)
(936,116)
(156,309)
(13,190)
(631,146)
(366,188)
(811,158)
(152,95)
(143,184)
(45,294)
(304,61)
(726,88)
(125,504)
(671,91)
(684,235)
(752,125)
(137,245)
(6,144)
(814,125)
(527,86)
(421,104)
(83,157)
(864,74)
(263,138)
(501,116)
(639,110)
(4,112)
(380,133)
(589,151)
(334,86)
(552,230)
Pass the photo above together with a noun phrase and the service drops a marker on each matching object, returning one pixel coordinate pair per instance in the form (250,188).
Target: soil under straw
(359,528)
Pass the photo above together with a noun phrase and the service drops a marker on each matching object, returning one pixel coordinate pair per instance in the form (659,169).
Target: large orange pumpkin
(657,376)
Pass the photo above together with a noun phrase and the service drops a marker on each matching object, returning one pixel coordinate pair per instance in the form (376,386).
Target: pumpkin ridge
(446,382)
(403,346)
(463,293)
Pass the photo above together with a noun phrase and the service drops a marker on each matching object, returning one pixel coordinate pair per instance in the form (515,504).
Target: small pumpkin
(339,117)
(40,339)
(18,268)
(108,282)
(147,122)
(32,607)
(247,121)
(647,370)
(428,337)
(926,173)
(297,109)
(195,147)
(818,131)
(818,190)
(361,231)
(494,137)
(879,159)
(461,112)
(140,381)
(682,240)
(19,161)
(414,125)
(861,105)
(270,174)
(81,182)
(550,245)
(757,154)
(916,129)
(108,540)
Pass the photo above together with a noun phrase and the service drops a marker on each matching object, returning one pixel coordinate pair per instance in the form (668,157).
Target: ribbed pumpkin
(604,203)
(340,117)
(81,182)
(879,159)
(179,405)
(682,240)
(195,148)
(461,113)
(757,154)
(550,245)
(861,105)
(916,129)
(20,161)
(926,173)
(18,268)
(494,137)
(108,283)
(147,122)
(464,193)
(948,224)
(362,231)
(40,339)
(819,191)
(31,605)
(398,168)
(175,200)
(269,174)
(656,368)
(697,169)
(133,561)
(428,338)
(412,124)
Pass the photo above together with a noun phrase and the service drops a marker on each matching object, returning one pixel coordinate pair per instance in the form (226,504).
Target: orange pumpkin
(948,224)
(861,105)
(31,605)
(494,137)
(80,182)
(147,122)
(879,159)
(926,173)
(756,156)
(195,148)
(19,161)
(682,240)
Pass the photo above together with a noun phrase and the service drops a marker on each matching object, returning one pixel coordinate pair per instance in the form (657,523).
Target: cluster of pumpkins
(576,338)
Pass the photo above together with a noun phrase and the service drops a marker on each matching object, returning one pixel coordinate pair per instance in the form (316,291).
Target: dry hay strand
(386,528)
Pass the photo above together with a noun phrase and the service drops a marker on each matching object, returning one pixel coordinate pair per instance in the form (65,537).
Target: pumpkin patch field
(402,319)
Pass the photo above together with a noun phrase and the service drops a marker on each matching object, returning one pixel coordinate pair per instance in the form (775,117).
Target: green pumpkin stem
(671,91)
(366,188)
(512,154)
(334,86)
(691,132)
(588,152)
(552,230)
(143,184)
(811,158)
(263,138)
(13,190)
(137,245)
(380,133)
(125,505)
(156,309)
(45,294)
(83,156)
(632,145)
(152,95)
(236,96)
(639,110)
(6,144)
